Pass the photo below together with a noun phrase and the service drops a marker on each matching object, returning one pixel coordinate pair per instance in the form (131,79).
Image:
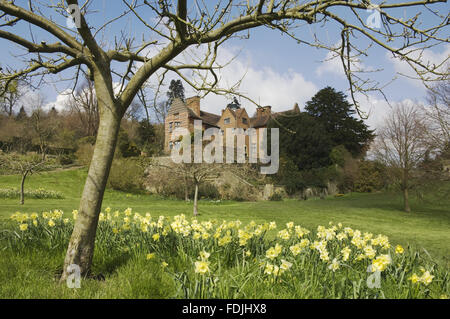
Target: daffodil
(380,263)
(334,265)
(150,256)
(201,267)
(399,249)
(23,227)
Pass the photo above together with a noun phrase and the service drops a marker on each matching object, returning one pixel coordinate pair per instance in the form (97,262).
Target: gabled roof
(209,118)
(262,121)
(178,106)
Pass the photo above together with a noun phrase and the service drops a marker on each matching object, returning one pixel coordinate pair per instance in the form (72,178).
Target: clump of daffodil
(273,252)
(380,263)
(23,227)
(285,265)
(284,234)
(334,265)
(201,266)
(295,249)
(399,249)
(150,256)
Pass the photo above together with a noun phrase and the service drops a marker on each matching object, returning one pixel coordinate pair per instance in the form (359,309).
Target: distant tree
(176,90)
(10,98)
(333,110)
(24,165)
(22,115)
(303,139)
(147,138)
(401,145)
(84,104)
(437,111)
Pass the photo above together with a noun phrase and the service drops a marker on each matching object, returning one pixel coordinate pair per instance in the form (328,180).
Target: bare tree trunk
(406,200)
(22,188)
(81,246)
(196,200)
(186,191)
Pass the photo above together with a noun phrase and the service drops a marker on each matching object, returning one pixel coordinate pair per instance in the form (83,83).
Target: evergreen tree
(333,110)
(22,115)
(176,90)
(309,147)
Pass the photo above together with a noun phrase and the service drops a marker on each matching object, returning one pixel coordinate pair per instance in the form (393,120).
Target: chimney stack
(194,104)
(263,111)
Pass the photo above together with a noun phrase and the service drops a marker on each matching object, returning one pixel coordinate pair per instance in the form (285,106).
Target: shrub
(84,153)
(65,159)
(127,174)
(276,197)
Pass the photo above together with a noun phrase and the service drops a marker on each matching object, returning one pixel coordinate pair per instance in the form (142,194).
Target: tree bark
(81,246)
(22,188)
(195,200)
(406,200)
(186,191)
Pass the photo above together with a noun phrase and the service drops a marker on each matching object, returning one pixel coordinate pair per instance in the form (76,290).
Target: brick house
(183,114)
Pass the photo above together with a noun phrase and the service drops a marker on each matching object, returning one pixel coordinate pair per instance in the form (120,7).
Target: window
(170,145)
(221,132)
(176,115)
(177,124)
(170,127)
(177,145)
(226,121)
(244,120)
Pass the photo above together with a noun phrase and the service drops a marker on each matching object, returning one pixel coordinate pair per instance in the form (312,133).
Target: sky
(275,70)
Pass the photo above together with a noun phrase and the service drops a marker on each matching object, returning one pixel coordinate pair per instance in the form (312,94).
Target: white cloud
(60,102)
(377,109)
(262,84)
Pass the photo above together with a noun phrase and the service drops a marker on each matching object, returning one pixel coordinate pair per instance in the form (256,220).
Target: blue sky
(279,72)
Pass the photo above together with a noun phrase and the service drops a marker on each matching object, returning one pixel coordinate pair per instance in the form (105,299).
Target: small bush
(276,197)
(65,159)
(84,154)
(126,175)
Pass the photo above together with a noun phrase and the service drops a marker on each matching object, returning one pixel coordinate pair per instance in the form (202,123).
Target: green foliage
(176,90)
(126,147)
(148,140)
(290,177)
(333,110)
(127,174)
(84,153)
(303,140)
(372,176)
(276,197)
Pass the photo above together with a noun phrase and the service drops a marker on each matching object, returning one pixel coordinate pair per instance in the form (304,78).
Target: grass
(426,229)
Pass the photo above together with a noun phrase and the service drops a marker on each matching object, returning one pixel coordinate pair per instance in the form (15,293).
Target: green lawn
(427,226)
(30,268)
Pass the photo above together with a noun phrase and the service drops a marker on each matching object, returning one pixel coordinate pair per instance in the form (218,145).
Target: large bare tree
(172,29)
(402,145)
(437,111)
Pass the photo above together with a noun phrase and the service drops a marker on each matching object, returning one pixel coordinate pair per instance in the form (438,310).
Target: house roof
(262,121)
(178,106)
